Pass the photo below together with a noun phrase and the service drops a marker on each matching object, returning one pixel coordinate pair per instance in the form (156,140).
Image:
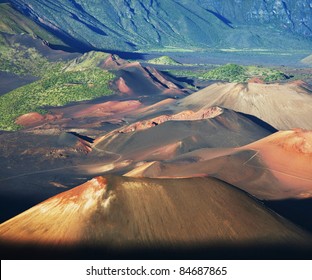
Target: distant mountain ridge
(290,16)
(132,25)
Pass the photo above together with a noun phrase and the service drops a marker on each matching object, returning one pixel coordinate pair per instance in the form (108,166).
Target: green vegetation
(21,60)
(200,25)
(55,89)
(163,60)
(238,73)
(88,60)
(61,84)
(232,73)
(13,22)
(228,72)
(195,74)
(266,74)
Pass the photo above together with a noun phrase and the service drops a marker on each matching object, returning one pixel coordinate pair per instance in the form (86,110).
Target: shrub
(58,89)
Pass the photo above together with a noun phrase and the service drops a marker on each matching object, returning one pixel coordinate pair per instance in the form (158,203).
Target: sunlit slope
(284,106)
(275,167)
(118,212)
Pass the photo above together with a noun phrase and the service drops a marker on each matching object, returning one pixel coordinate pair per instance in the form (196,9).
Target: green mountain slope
(163,60)
(130,25)
(238,73)
(307,60)
(58,86)
(14,22)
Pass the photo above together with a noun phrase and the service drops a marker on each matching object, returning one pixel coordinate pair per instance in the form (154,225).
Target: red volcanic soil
(134,81)
(60,217)
(144,81)
(110,108)
(113,62)
(157,75)
(122,86)
(118,212)
(297,141)
(256,80)
(276,167)
(284,106)
(288,155)
(299,83)
(34,118)
(86,114)
(30,119)
(182,116)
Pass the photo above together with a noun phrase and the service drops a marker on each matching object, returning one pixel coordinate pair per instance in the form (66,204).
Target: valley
(134,147)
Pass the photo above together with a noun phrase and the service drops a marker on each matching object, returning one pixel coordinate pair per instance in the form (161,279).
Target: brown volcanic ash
(187,115)
(88,115)
(119,212)
(284,106)
(142,81)
(57,220)
(276,167)
(134,81)
(167,136)
(113,62)
(108,109)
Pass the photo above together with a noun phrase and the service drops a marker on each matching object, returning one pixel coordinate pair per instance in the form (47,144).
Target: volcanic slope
(307,60)
(117,214)
(276,167)
(284,106)
(168,135)
(134,86)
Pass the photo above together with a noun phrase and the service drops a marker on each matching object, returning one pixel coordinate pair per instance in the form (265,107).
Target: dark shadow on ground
(296,210)
(259,122)
(257,252)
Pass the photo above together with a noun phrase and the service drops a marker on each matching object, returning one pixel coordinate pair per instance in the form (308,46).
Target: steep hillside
(284,106)
(118,214)
(163,60)
(149,139)
(275,167)
(307,60)
(60,83)
(14,22)
(129,25)
(288,15)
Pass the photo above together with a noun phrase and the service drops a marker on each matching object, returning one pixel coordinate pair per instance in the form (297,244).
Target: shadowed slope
(124,213)
(167,136)
(141,81)
(284,106)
